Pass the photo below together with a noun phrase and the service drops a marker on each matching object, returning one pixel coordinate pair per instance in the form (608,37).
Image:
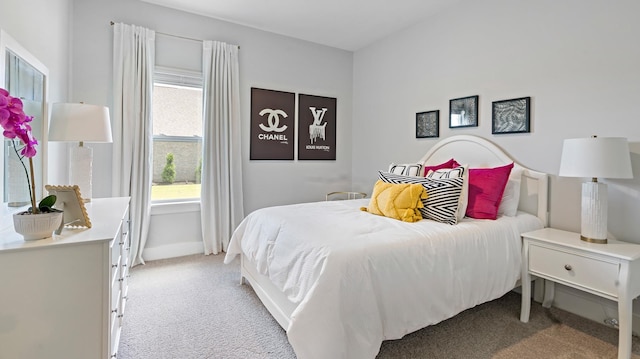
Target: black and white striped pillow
(460,171)
(406,169)
(442,195)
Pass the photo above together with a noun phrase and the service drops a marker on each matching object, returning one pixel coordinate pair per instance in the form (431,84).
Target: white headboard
(479,152)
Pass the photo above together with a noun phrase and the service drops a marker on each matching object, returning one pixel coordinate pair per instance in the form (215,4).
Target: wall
(42,28)
(577,59)
(266,61)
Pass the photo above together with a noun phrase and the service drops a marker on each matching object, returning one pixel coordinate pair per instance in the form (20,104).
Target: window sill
(160,208)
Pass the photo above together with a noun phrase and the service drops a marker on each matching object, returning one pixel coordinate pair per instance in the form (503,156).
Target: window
(177,135)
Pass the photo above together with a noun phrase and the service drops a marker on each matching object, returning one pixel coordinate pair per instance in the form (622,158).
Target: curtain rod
(172,35)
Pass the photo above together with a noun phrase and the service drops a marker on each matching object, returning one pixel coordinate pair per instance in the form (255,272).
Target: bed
(340,280)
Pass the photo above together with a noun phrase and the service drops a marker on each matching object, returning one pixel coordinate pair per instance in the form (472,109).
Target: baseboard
(590,306)
(172,250)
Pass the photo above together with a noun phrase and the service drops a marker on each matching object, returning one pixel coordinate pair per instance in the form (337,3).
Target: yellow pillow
(400,201)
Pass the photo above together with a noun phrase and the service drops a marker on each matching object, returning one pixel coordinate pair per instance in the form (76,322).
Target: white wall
(266,60)
(577,59)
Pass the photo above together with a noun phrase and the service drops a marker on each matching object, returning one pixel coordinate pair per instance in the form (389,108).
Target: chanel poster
(317,133)
(272,124)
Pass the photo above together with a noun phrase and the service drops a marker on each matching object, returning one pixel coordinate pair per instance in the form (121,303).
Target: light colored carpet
(194,307)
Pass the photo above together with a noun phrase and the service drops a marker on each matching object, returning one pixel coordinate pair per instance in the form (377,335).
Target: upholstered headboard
(479,152)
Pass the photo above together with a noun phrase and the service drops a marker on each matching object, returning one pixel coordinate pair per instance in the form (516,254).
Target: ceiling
(344,24)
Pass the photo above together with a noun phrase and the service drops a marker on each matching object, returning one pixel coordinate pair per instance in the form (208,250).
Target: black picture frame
(463,112)
(428,124)
(273,125)
(511,116)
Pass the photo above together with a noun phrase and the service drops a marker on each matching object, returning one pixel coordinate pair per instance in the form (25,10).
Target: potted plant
(39,221)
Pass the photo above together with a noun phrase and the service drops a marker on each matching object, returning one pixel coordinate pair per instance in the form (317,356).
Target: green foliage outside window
(169,171)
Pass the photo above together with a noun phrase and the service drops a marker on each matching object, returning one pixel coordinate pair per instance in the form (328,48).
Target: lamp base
(594,212)
(593,240)
(80,163)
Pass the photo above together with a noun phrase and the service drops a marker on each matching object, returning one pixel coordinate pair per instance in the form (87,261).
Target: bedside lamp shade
(79,122)
(604,157)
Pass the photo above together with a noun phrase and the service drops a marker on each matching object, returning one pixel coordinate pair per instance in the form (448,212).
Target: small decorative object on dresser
(37,222)
(428,124)
(463,112)
(36,226)
(71,202)
(610,271)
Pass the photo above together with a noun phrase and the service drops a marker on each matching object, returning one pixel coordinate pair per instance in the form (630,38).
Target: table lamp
(80,122)
(604,157)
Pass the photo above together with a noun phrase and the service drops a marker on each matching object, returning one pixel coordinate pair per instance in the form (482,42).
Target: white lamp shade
(596,157)
(73,122)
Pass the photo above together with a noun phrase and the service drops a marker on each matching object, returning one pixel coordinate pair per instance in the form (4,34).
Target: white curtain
(221,194)
(133,63)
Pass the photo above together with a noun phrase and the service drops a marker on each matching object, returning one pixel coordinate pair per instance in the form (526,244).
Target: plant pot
(36,226)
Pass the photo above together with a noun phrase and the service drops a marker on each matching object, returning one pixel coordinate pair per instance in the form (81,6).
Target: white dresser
(64,297)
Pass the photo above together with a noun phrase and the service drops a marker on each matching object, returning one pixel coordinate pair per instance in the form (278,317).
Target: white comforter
(359,279)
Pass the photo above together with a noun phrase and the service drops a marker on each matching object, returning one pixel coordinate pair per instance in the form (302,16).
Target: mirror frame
(9,43)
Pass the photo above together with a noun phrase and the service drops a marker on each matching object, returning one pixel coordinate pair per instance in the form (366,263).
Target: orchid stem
(31,182)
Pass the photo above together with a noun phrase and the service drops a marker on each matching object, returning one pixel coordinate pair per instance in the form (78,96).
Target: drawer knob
(567,267)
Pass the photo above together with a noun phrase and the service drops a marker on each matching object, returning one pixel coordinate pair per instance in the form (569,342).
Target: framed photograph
(428,124)
(69,200)
(463,112)
(511,116)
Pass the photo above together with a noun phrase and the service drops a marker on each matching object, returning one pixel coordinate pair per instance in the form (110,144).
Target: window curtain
(133,62)
(221,192)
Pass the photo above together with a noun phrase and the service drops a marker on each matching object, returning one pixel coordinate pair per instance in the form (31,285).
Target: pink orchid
(15,124)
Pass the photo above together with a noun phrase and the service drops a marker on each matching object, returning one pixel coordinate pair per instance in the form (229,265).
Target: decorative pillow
(511,196)
(486,186)
(460,171)
(407,169)
(399,201)
(449,164)
(442,195)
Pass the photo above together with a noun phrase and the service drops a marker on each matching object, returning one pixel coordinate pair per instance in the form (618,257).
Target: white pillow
(511,196)
(406,169)
(461,171)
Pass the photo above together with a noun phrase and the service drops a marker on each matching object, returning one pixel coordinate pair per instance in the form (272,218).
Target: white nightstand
(609,270)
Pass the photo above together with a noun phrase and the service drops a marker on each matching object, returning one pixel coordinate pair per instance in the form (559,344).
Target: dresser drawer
(588,273)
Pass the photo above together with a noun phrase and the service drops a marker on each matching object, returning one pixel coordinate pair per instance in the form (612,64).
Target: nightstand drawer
(587,272)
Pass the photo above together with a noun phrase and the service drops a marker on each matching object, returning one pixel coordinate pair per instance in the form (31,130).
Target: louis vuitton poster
(272,124)
(317,127)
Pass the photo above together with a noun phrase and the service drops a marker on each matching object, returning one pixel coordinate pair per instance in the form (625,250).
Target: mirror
(24,77)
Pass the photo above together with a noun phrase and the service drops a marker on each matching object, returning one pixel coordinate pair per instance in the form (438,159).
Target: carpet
(195,307)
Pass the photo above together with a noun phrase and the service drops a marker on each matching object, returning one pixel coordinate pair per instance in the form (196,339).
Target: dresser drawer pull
(567,267)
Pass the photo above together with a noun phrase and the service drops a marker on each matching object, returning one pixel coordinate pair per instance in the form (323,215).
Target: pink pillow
(486,186)
(449,164)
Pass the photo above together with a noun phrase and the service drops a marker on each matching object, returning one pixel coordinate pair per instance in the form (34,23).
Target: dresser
(609,270)
(64,297)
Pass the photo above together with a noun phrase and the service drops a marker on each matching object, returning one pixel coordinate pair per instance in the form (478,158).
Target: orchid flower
(15,125)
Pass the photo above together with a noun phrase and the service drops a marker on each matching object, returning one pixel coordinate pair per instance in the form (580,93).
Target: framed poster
(463,112)
(272,124)
(427,124)
(511,116)
(317,133)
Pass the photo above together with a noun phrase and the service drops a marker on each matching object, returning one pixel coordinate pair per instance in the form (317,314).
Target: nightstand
(609,270)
